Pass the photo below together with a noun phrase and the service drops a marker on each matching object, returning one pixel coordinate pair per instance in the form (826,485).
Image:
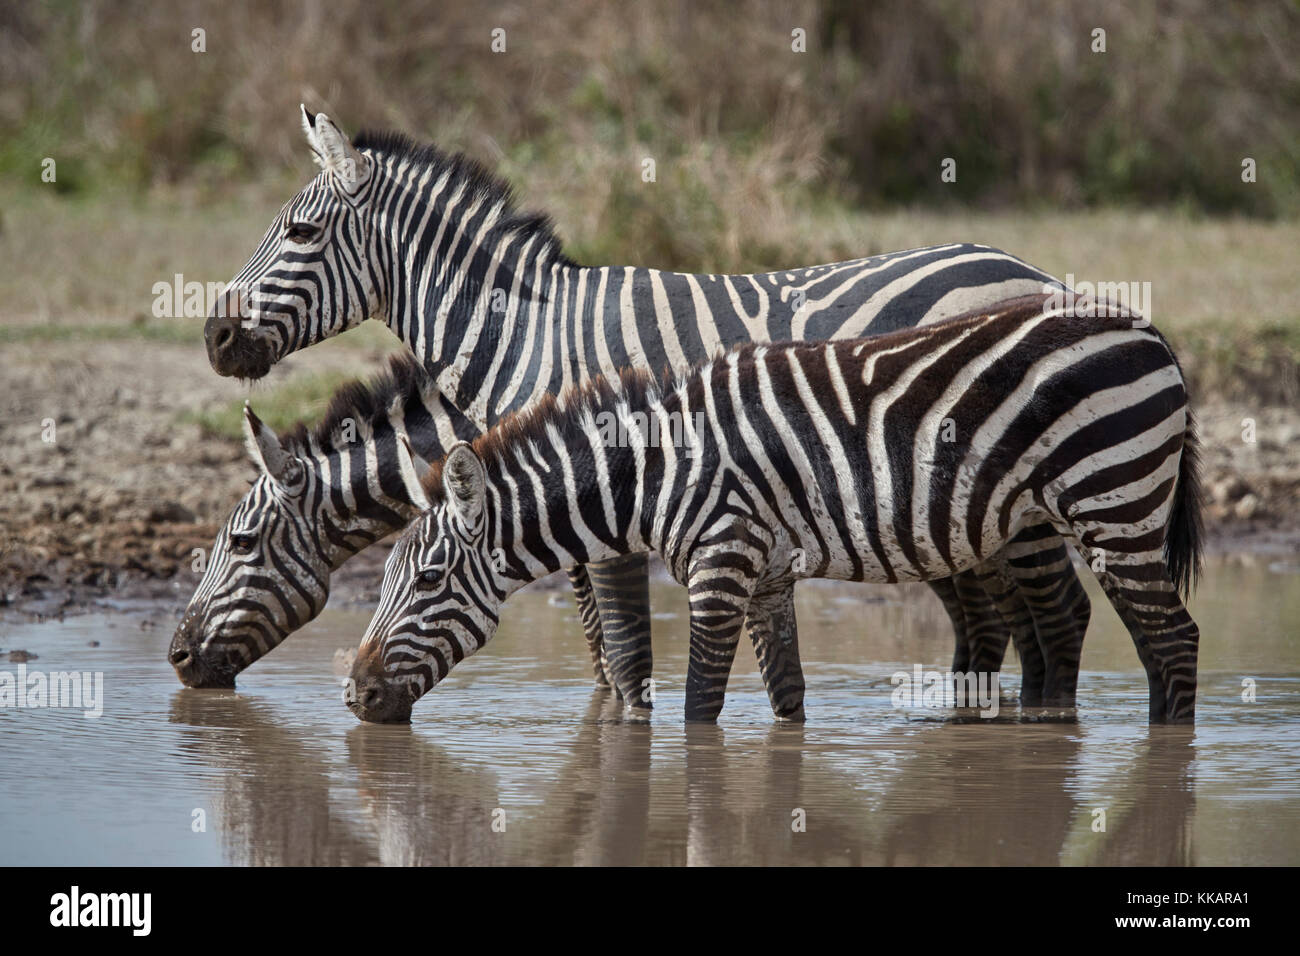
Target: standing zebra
(818,452)
(486,299)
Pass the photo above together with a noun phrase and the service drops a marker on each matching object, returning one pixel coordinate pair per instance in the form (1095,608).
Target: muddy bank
(105,496)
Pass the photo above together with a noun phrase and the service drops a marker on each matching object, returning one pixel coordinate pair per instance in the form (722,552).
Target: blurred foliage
(742,129)
(300,398)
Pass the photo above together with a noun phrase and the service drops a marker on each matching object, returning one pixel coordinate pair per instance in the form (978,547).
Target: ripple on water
(284,775)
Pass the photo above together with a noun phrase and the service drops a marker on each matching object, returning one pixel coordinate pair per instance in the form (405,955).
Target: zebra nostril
(371,697)
(223,339)
(179,658)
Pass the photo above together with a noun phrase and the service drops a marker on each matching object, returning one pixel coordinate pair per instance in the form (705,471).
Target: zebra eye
(242,543)
(301,232)
(428,579)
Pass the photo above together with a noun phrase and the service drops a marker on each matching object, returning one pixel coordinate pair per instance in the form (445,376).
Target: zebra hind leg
(1166,637)
(1040,563)
(1139,586)
(999,613)
(775,635)
(622,590)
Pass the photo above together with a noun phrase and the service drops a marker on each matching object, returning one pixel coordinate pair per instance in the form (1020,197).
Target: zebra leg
(1164,634)
(775,635)
(990,592)
(946,589)
(1039,562)
(622,590)
(1129,562)
(589,614)
(721,581)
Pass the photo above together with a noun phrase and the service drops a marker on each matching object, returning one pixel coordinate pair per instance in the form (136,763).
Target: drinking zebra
(325,494)
(321,496)
(819,460)
(486,299)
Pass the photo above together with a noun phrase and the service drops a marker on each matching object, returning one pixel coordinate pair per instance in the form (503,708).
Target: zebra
(834,452)
(322,496)
(484,296)
(325,494)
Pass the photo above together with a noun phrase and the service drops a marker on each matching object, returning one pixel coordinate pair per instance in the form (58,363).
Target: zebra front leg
(721,582)
(622,590)
(589,614)
(946,589)
(986,612)
(1003,613)
(992,618)
(775,635)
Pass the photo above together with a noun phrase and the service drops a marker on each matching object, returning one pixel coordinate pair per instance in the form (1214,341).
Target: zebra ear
(464,479)
(265,449)
(332,151)
(413,469)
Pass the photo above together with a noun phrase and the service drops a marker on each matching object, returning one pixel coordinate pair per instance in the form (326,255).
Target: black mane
(476,178)
(366,403)
(637,387)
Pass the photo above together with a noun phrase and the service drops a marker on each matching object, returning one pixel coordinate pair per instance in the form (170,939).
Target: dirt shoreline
(113,508)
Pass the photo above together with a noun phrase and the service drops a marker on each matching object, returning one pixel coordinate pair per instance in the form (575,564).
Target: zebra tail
(1184,537)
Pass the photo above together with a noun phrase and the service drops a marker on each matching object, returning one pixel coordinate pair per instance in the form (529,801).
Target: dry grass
(1222,289)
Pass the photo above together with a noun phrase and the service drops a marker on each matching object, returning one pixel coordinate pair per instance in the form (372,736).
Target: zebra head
(312,276)
(268,574)
(440,600)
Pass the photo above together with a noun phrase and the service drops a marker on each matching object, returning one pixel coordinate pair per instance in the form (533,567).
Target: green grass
(303,397)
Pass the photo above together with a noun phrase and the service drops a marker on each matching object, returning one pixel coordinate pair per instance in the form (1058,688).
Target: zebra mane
(366,404)
(570,414)
(476,179)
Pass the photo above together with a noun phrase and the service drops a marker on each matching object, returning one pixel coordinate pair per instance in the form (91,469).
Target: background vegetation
(1009,88)
(1123,165)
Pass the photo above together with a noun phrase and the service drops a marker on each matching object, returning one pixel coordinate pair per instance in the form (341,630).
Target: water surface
(516,759)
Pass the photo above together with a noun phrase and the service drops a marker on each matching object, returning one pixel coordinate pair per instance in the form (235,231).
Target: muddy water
(516,759)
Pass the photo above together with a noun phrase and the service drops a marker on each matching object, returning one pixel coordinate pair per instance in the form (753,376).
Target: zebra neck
(364,497)
(461,273)
(354,533)
(554,508)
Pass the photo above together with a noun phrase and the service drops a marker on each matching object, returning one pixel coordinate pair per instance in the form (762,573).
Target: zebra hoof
(636,715)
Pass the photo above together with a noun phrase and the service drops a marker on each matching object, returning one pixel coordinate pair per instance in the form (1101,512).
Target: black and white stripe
(486,299)
(834,452)
(320,497)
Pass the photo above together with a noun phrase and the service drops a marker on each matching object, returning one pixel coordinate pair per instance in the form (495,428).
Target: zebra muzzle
(196,668)
(376,700)
(234,350)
